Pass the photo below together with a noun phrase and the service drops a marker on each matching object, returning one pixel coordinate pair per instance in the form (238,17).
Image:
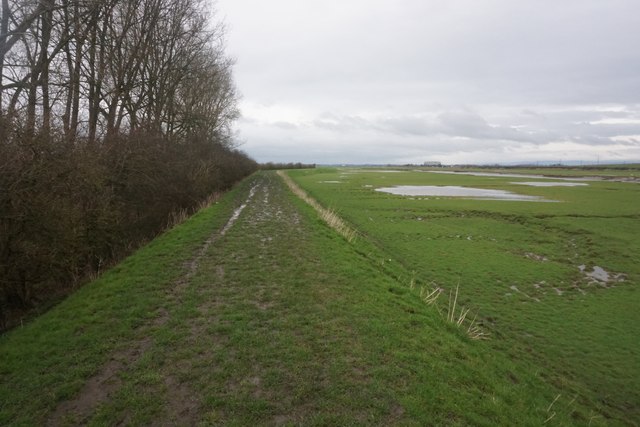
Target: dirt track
(227,329)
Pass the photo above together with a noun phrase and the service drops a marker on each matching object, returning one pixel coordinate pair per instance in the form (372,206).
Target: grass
(284,322)
(512,261)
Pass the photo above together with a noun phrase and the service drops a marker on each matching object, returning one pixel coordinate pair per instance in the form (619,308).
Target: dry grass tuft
(552,414)
(329,216)
(453,314)
(458,317)
(177,217)
(181,215)
(430,297)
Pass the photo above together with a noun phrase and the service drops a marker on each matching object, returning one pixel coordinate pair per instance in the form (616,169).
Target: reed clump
(458,316)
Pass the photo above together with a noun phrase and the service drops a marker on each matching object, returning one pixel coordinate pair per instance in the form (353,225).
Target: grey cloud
(286,125)
(334,122)
(577,126)
(247,120)
(453,124)
(584,126)
(397,125)
(607,130)
(408,125)
(471,125)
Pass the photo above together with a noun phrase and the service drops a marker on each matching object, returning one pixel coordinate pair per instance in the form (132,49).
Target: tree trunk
(43,64)
(4,29)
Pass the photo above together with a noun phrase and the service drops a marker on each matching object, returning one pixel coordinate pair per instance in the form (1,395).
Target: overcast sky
(456,81)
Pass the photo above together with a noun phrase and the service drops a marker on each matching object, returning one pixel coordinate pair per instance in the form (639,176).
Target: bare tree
(113,113)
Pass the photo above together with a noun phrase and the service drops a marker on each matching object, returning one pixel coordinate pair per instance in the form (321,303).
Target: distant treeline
(277,166)
(114,114)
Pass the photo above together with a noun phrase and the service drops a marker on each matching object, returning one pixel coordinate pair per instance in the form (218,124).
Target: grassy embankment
(49,359)
(517,264)
(281,320)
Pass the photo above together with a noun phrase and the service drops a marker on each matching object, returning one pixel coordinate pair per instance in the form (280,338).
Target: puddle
(455,191)
(377,171)
(600,275)
(550,184)
(516,290)
(536,257)
(238,211)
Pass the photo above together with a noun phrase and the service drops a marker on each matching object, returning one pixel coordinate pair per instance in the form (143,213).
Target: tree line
(113,115)
(291,165)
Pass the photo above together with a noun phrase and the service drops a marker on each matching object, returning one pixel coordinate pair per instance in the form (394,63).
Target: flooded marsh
(560,279)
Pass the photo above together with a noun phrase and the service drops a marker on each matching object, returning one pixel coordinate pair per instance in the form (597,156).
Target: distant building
(432,164)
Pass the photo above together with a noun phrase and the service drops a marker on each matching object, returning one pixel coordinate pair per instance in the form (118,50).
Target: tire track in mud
(99,388)
(182,404)
(261,296)
(265,225)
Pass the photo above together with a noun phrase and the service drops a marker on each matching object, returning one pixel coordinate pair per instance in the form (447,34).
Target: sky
(454,81)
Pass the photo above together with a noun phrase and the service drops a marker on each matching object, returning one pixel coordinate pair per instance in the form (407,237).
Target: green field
(267,316)
(517,266)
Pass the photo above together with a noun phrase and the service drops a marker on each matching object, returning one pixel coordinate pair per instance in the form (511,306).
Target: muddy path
(102,386)
(246,335)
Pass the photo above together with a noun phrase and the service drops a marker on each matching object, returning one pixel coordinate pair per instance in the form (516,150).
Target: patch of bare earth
(99,387)
(183,406)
